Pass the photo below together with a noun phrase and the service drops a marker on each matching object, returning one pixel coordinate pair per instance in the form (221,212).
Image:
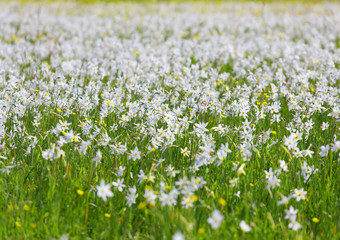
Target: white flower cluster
(172,95)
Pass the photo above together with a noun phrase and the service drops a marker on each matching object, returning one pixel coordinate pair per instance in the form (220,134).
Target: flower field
(169,121)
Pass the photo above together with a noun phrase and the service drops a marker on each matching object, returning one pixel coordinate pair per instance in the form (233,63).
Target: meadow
(169,120)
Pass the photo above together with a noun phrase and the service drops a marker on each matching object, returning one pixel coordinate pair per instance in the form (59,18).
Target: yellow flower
(274,132)
(33,225)
(194,198)
(80,192)
(107,215)
(222,202)
(26,207)
(316,220)
(59,110)
(18,224)
(201,230)
(10,207)
(142,205)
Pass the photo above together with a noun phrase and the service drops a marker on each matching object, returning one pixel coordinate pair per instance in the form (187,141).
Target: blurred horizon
(180,1)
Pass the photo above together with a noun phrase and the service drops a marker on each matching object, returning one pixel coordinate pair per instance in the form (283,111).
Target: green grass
(43,199)
(49,189)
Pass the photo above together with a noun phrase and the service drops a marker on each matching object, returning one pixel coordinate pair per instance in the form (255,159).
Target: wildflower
(80,192)
(185,151)
(142,205)
(121,170)
(135,154)
(26,207)
(233,182)
(222,202)
(273,182)
(98,157)
(241,169)
(324,126)
(336,146)
(150,196)
(245,227)
(132,196)
(71,137)
(299,194)
(119,184)
(48,154)
(178,236)
(223,151)
(216,219)
(283,165)
(324,151)
(103,190)
(294,225)
(284,200)
(291,214)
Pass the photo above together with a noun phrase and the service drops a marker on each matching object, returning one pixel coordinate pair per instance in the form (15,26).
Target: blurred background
(178,1)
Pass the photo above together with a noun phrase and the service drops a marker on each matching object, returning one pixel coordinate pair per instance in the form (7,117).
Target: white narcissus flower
(216,219)
(104,191)
(98,157)
(135,154)
(324,126)
(245,227)
(299,194)
(119,184)
(131,197)
(291,214)
(284,200)
(233,182)
(178,236)
(324,150)
(294,225)
(283,165)
(336,146)
(150,196)
(48,154)
(273,182)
